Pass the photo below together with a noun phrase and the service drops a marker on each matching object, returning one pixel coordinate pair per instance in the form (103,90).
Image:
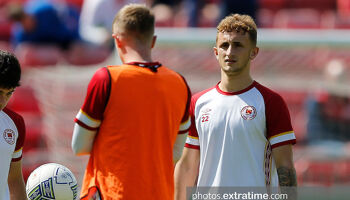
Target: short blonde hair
(238,23)
(136,19)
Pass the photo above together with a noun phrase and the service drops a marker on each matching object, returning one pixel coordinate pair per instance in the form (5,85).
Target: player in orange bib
(134,120)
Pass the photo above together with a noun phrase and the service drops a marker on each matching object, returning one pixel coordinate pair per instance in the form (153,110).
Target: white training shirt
(236,132)
(12,134)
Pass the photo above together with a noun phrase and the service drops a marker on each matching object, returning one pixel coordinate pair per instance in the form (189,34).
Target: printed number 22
(205,118)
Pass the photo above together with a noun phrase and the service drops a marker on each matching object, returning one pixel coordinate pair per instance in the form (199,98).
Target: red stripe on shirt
(191,146)
(16,159)
(293,141)
(80,123)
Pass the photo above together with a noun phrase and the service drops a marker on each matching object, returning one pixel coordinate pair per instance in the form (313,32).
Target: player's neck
(235,83)
(132,55)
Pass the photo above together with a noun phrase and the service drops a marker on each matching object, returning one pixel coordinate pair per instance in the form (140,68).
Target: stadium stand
(323,173)
(305,18)
(31,55)
(319,5)
(5,26)
(273,5)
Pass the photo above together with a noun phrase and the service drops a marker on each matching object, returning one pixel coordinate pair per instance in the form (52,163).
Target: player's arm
(283,157)
(82,140)
(178,147)
(184,128)
(89,118)
(186,169)
(181,137)
(186,172)
(281,137)
(16,182)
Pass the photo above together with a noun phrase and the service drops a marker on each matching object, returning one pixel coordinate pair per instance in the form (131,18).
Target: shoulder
(17,118)
(101,73)
(268,94)
(200,94)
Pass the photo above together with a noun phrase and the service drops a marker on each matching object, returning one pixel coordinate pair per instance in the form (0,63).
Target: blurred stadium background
(304,55)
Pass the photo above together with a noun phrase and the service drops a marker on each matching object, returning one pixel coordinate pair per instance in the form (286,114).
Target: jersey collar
(235,93)
(153,66)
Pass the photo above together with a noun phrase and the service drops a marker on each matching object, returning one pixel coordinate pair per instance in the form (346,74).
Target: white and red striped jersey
(12,134)
(235,133)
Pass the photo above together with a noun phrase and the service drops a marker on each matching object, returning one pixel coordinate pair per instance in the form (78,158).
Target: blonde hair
(238,23)
(135,19)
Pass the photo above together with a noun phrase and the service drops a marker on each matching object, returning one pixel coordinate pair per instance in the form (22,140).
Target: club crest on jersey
(248,112)
(9,136)
(205,115)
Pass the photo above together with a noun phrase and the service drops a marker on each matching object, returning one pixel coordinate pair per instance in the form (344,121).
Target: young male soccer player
(242,134)
(133,118)
(12,132)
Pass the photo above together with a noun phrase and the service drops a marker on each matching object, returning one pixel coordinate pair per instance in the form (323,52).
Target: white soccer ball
(51,181)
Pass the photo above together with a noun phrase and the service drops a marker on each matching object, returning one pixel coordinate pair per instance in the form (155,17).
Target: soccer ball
(51,181)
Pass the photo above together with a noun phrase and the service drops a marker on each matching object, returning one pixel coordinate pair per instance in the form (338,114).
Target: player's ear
(254,53)
(216,52)
(117,40)
(154,41)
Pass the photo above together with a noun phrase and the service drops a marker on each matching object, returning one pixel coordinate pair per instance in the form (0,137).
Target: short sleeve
(192,140)
(19,122)
(91,113)
(186,120)
(279,129)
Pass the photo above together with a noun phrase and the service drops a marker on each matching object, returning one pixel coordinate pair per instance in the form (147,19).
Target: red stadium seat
(319,5)
(335,20)
(273,5)
(84,54)
(23,100)
(30,55)
(5,25)
(5,31)
(342,172)
(319,173)
(297,18)
(343,7)
(342,22)
(324,173)
(265,18)
(34,138)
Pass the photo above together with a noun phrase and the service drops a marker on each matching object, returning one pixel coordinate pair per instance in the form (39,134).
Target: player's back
(140,124)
